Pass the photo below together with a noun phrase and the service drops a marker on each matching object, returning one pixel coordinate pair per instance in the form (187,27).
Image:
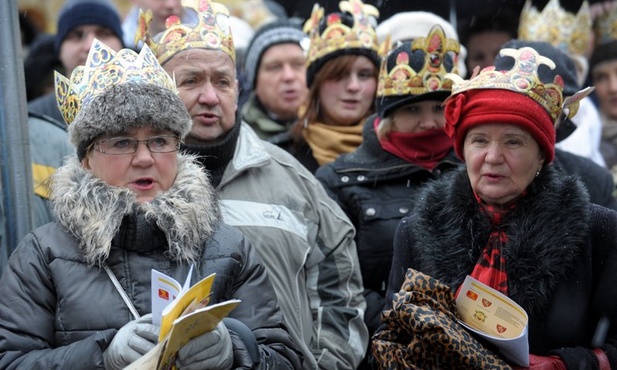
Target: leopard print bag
(421,331)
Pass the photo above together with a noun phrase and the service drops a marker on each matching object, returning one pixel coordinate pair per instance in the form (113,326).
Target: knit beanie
(77,13)
(483,106)
(564,65)
(605,52)
(282,31)
(126,106)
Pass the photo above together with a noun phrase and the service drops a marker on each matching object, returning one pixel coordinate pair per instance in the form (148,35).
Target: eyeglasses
(128,145)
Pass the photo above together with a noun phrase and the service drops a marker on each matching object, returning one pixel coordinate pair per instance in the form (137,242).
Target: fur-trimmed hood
(545,233)
(94,212)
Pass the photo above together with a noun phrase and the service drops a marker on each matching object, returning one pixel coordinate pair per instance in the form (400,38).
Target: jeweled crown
(522,78)
(569,32)
(605,25)
(336,35)
(212,31)
(103,69)
(439,56)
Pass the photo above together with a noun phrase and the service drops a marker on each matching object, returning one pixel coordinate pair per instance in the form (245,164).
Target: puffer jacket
(560,253)
(376,190)
(61,310)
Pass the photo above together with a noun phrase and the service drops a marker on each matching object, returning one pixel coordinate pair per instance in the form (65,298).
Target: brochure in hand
(183,314)
(495,317)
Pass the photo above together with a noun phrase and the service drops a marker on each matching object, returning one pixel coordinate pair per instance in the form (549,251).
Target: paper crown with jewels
(523,78)
(605,25)
(350,32)
(212,31)
(103,69)
(569,32)
(416,69)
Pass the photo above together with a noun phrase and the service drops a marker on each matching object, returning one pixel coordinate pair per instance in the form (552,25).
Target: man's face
(76,45)
(281,80)
(207,85)
(604,77)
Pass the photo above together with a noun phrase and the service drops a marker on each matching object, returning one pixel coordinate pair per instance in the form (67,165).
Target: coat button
(403,210)
(345,179)
(370,212)
(361,178)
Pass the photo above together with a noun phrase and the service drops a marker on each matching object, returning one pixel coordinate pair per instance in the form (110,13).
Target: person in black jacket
(510,219)
(77,292)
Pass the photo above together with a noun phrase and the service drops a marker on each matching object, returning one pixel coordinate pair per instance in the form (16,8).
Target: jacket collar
(95,213)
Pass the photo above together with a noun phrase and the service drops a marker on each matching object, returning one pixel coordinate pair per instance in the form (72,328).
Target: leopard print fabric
(422,331)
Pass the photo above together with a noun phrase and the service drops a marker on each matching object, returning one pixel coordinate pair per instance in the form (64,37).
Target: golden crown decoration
(402,79)
(339,36)
(605,25)
(569,32)
(212,31)
(523,78)
(105,68)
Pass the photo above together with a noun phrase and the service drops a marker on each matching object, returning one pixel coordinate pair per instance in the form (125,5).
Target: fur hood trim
(93,212)
(546,231)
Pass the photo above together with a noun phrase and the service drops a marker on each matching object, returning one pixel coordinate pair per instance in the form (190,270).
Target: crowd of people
(342,175)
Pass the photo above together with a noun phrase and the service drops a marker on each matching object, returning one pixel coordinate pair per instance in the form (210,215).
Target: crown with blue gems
(523,78)
(569,32)
(400,75)
(103,69)
(331,35)
(212,31)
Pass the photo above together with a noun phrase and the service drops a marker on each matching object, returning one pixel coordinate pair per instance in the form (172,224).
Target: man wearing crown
(303,237)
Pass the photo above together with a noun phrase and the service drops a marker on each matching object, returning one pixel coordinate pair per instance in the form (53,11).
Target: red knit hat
(481,106)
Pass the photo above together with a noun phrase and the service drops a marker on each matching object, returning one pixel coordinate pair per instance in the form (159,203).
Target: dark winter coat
(59,309)
(376,190)
(561,257)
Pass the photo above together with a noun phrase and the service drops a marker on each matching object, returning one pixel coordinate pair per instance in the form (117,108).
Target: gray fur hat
(127,106)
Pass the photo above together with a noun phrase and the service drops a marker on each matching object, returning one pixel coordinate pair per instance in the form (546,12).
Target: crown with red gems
(569,32)
(605,25)
(212,31)
(105,68)
(331,34)
(523,79)
(399,75)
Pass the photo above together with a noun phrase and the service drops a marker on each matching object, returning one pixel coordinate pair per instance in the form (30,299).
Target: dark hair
(501,21)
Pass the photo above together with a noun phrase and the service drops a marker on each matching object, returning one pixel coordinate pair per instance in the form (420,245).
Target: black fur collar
(546,231)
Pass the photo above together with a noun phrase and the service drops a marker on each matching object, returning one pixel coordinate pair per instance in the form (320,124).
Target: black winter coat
(376,189)
(561,258)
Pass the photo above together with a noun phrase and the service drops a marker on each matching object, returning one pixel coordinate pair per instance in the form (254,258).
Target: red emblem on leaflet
(486,303)
(163,294)
(500,329)
(471,295)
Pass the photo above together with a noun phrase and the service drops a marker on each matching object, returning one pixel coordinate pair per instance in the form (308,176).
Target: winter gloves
(212,351)
(131,342)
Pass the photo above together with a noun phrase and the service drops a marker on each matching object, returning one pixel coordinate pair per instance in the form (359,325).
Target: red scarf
(425,148)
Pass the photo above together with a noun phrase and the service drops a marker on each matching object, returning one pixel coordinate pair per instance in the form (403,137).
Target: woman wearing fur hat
(76,292)
(511,221)
(404,145)
(342,67)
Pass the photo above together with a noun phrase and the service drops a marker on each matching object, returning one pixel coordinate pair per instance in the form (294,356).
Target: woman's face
(344,101)
(604,77)
(502,160)
(418,117)
(145,173)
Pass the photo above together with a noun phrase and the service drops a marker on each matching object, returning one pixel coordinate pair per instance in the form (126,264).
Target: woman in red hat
(509,219)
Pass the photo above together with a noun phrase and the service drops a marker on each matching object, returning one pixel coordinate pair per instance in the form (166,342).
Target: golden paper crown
(569,32)
(522,78)
(605,25)
(212,31)
(105,68)
(338,36)
(402,79)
